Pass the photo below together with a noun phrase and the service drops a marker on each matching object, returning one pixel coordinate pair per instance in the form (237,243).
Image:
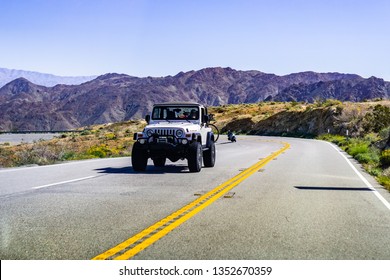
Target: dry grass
(351,115)
(255,112)
(109,140)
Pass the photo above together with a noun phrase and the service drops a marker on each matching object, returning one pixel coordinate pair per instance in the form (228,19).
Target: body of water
(14,139)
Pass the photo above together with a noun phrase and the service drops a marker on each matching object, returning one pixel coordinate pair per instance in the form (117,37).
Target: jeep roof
(178,103)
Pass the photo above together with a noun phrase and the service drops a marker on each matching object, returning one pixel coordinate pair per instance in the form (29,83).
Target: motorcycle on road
(231,136)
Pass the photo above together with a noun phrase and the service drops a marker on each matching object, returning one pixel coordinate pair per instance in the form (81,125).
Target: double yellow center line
(147,237)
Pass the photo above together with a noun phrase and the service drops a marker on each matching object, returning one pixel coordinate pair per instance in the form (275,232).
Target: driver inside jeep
(193,115)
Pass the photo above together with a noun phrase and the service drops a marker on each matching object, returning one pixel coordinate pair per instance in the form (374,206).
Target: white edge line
(378,195)
(63,182)
(60,164)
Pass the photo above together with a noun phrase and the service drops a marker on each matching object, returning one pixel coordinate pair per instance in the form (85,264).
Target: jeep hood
(188,127)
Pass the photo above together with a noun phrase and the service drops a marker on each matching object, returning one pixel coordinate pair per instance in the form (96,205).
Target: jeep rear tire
(195,157)
(209,156)
(139,158)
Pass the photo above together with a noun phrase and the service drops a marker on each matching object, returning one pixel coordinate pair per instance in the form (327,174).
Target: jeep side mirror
(206,119)
(147,118)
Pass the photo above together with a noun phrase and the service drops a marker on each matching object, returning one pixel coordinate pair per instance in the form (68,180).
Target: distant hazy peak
(8,75)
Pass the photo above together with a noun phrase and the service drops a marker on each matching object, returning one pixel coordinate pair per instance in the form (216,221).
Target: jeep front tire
(195,157)
(209,156)
(139,158)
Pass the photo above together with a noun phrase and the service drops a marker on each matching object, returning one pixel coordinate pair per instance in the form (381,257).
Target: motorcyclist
(231,136)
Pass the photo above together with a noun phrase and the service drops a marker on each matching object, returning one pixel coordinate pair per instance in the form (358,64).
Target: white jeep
(175,131)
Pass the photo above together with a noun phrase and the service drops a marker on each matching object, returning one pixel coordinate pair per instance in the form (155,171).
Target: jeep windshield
(175,113)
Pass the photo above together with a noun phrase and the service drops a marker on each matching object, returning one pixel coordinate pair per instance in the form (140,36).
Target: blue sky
(163,37)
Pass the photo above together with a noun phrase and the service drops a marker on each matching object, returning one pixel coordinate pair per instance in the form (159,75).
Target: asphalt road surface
(266,198)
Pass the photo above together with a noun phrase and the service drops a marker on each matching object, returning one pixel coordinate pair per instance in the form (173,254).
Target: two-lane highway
(306,202)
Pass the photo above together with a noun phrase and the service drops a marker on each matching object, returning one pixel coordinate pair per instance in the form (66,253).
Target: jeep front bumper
(165,146)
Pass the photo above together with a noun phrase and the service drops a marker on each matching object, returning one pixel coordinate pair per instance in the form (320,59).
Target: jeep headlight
(179,133)
(149,132)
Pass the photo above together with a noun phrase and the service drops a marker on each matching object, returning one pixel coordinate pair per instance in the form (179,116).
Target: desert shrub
(339,109)
(357,146)
(6,157)
(385,181)
(100,151)
(308,109)
(378,119)
(385,158)
(364,150)
(374,171)
(371,137)
(40,152)
(371,156)
(386,172)
(384,135)
(85,132)
(336,139)
(128,133)
(110,136)
(68,155)
(331,102)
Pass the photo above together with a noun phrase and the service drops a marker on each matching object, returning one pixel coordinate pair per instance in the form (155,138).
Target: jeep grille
(165,132)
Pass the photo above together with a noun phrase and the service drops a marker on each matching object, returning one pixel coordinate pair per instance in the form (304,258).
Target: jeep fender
(210,139)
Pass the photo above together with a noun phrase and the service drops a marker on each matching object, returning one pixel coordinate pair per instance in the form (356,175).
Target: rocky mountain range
(8,75)
(116,97)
